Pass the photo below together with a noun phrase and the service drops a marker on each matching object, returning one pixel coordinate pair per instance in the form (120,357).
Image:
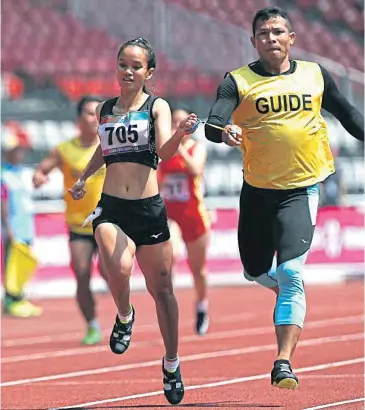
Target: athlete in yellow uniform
(276,107)
(71,157)
(74,156)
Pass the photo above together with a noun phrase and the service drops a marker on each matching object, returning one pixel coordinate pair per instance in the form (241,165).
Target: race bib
(124,133)
(175,187)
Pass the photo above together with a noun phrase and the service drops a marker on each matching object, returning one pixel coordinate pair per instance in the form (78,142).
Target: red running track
(44,367)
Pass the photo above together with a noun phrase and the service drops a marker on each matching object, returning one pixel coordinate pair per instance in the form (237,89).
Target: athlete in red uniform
(181,180)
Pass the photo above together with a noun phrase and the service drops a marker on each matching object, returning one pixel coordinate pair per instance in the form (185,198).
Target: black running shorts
(142,220)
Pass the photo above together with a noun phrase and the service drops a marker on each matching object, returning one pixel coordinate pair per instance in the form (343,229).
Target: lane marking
(338,403)
(17,342)
(187,380)
(183,339)
(219,384)
(189,358)
(56,338)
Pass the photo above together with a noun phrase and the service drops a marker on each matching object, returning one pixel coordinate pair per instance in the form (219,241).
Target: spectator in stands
(181,179)
(276,104)
(131,220)
(71,158)
(17,221)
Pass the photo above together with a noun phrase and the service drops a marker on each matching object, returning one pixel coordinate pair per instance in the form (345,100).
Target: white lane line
(217,384)
(338,403)
(334,376)
(189,358)
(187,380)
(183,339)
(56,338)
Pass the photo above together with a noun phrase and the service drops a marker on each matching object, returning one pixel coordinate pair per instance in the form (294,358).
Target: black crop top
(128,137)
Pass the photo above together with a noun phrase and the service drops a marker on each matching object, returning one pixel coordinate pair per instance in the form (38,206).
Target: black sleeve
(226,102)
(336,104)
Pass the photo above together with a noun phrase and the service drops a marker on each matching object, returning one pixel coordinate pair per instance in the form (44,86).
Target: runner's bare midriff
(130,181)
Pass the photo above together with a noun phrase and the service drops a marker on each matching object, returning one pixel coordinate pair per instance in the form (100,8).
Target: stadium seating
(346,12)
(313,36)
(60,46)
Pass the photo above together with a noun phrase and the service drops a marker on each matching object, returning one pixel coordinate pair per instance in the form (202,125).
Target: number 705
(123,135)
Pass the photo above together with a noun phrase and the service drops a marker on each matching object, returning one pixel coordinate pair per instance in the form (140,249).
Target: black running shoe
(282,375)
(202,323)
(120,337)
(173,386)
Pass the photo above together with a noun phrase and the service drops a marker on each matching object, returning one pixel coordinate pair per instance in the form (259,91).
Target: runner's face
(87,122)
(132,68)
(273,39)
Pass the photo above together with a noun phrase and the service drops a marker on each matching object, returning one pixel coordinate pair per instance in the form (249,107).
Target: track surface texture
(45,367)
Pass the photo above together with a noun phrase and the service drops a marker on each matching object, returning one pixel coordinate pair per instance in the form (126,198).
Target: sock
(202,306)
(126,318)
(171,364)
(12,298)
(94,324)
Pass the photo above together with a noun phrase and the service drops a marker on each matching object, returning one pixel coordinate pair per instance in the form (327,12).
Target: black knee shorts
(142,220)
(272,221)
(73,236)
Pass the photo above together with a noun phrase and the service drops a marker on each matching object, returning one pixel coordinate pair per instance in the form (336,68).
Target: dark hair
(85,100)
(269,12)
(151,55)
